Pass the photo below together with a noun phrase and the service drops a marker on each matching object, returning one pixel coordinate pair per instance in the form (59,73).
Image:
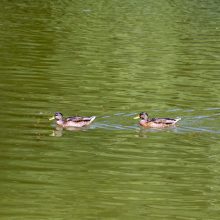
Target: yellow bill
(137,117)
(52,118)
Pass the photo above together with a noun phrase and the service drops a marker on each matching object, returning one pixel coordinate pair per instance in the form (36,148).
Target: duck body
(73,121)
(156,122)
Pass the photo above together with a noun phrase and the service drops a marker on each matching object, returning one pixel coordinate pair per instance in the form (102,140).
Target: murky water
(110,59)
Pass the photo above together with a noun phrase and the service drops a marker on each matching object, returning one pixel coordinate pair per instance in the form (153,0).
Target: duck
(72,121)
(155,122)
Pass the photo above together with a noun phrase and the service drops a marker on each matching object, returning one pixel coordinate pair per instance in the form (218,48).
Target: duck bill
(52,118)
(137,117)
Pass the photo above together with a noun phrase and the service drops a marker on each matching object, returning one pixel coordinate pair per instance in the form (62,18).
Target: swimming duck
(73,121)
(155,122)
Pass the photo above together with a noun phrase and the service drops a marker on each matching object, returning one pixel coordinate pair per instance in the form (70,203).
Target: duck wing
(78,119)
(163,120)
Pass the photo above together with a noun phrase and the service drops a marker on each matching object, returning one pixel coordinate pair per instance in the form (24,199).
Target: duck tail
(177,119)
(92,119)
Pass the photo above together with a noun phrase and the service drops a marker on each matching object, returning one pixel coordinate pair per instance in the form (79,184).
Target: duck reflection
(145,133)
(58,130)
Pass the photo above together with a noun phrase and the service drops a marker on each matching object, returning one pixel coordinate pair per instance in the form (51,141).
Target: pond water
(112,59)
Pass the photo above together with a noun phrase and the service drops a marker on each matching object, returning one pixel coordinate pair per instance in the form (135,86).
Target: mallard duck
(155,122)
(73,121)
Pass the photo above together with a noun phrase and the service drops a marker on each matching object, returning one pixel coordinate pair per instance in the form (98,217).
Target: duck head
(57,116)
(142,115)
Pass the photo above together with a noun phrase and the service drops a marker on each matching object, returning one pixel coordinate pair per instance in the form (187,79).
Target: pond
(113,60)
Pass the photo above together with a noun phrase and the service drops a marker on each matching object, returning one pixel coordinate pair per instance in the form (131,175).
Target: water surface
(113,60)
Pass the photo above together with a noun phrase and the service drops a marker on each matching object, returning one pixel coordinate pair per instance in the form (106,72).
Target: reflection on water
(58,131)
(111,59)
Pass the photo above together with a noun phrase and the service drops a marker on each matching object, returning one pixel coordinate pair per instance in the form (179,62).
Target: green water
(112,59)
